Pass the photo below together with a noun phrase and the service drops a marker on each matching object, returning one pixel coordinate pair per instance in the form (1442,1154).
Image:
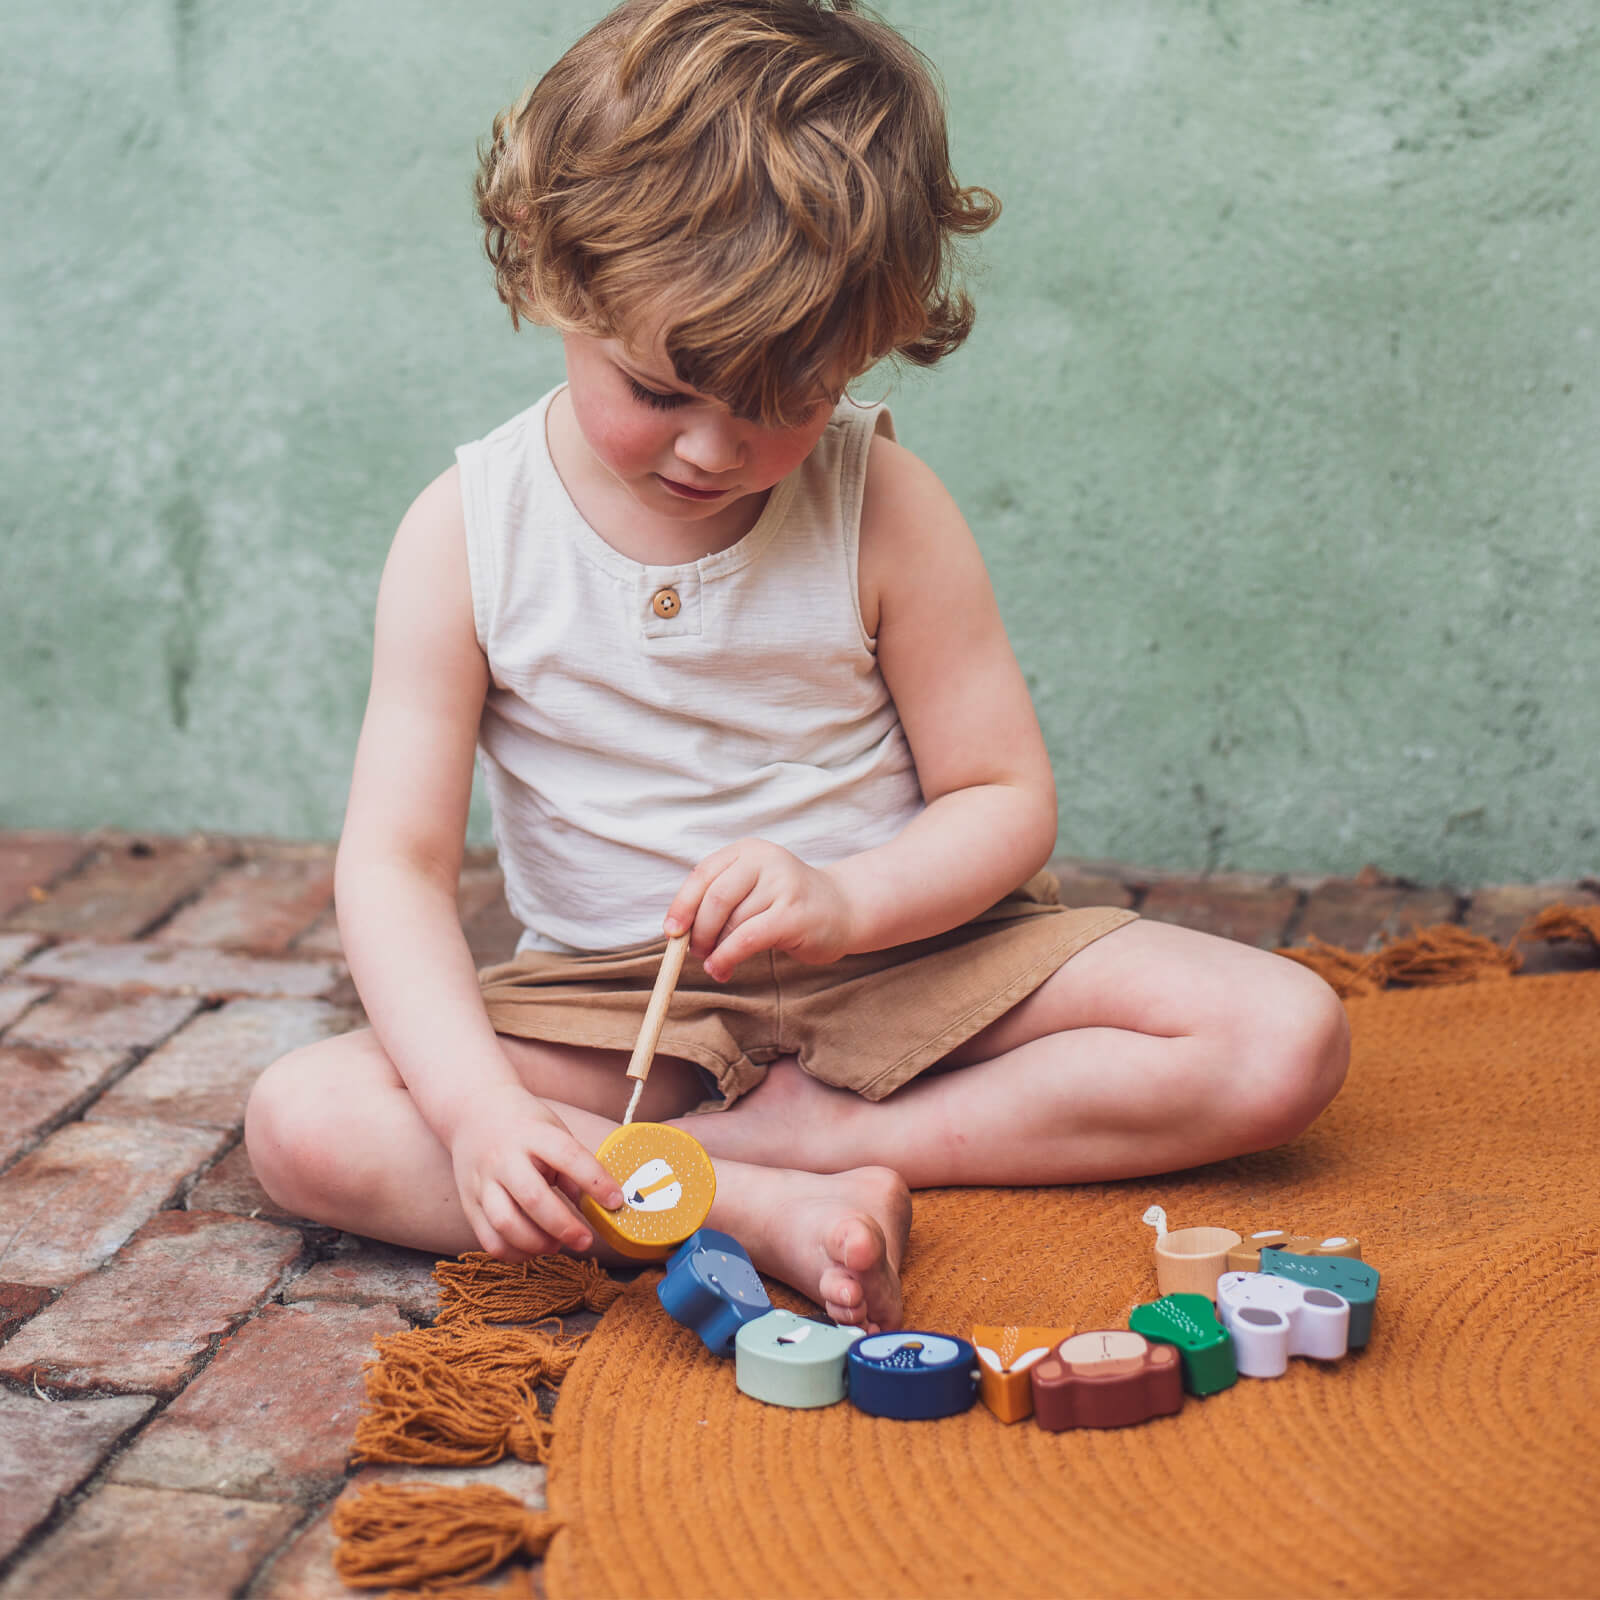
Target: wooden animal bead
(1191,1260)
(1188,1322)
(1106,1379)
(668,1184)
(1356,1281)
(912,1374)
(1272,1318)
(712,1286)
(1005,1357)
(1246,1255)
(787,1360)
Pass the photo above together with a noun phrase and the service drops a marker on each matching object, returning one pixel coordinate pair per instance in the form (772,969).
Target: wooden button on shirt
(666,602)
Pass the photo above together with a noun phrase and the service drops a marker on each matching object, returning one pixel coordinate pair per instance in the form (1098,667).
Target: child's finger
(514,1229)
(686,902)
(569,1160)
(747,938)
(550,1210)
(727,893)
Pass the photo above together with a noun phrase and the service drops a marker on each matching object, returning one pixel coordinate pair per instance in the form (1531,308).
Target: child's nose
(710,444)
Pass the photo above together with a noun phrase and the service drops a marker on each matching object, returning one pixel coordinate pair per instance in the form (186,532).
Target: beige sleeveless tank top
(640,717)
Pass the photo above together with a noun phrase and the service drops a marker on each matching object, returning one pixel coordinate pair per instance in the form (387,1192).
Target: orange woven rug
(1458,1455)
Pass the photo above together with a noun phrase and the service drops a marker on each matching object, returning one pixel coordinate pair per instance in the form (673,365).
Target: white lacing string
(633,1102)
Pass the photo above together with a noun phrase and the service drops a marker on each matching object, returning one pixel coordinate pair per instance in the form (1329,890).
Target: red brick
(139,1324)
(1347,914)
(31,862)
(305,1570)
(125,887)
(1500,911)
(272,1416)
(1361,916)
(214,973)
(39,1088)
(18,1302)
(47,1448)
(232,1186)
(15,948)
(98,1019)
(1252,915)
(1423,908)
(74,1202)
(133,1544)
(17,997)
(203,1073)
(260,905)
(367,1273)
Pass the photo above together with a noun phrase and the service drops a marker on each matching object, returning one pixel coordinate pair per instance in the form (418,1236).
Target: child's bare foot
(837,1237)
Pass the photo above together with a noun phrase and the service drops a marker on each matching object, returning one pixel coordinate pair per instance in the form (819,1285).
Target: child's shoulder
(901,490)
(913,534)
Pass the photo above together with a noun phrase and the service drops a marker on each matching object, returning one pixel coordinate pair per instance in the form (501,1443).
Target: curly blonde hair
(768,179)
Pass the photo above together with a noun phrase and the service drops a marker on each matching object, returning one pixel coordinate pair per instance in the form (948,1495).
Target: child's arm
(398,865)
(990,820)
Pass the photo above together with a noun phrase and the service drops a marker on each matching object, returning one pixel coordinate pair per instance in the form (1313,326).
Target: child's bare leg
(334,1135)
(1153,1049)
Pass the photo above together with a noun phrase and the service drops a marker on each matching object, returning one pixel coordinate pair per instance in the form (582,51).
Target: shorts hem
(956,1033)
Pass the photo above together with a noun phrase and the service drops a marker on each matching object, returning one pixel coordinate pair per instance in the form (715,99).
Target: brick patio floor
(180,1360)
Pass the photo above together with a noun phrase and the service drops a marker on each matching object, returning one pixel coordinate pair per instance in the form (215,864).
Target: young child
(732,666)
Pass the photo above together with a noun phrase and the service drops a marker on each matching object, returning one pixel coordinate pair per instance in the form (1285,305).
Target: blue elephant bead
(712,1287)
(912,1374)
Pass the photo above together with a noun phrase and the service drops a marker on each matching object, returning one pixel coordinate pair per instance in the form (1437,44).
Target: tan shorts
(869,1022)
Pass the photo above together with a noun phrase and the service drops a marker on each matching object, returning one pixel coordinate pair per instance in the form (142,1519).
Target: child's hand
(754,895)
(518,1168)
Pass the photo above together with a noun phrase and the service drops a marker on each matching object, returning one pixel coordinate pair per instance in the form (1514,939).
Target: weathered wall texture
(1281,426)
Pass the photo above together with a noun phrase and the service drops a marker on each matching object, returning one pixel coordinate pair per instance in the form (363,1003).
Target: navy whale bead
(912,1374)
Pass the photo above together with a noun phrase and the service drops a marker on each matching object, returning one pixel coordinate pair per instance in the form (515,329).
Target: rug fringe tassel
(478,1288)
(461,1396)
(1426,958)
(414,1535)
(1580,924)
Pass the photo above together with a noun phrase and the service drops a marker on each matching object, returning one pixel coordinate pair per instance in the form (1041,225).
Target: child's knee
(287,1129)
(1300,1055)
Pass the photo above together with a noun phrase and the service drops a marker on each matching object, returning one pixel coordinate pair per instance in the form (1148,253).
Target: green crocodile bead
(1205,1347)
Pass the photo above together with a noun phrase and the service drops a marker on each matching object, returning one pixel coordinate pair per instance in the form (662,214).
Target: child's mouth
(688,491)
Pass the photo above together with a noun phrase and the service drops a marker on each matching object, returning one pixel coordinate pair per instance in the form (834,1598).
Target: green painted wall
(1281,426)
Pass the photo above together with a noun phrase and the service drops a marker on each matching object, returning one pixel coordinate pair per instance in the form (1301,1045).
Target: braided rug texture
(1457,1455)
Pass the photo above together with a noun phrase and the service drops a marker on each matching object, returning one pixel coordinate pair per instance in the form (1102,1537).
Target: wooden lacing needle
(655,1015)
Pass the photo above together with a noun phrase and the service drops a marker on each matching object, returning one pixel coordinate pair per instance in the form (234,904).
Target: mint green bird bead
(793,1361)
(1205,1348)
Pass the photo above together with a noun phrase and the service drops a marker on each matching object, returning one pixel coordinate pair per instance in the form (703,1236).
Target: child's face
(678,454)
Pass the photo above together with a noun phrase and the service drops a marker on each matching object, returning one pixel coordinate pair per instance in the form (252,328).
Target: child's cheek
(624,444)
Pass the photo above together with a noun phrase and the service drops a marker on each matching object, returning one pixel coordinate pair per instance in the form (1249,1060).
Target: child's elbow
(1037,822)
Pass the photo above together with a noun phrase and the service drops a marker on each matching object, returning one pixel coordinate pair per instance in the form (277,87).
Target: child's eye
(654,397)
